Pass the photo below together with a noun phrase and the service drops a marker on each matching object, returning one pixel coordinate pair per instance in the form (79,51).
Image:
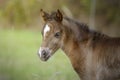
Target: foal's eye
(57,35)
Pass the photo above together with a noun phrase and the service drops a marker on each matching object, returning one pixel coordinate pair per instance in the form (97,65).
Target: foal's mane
(84,28)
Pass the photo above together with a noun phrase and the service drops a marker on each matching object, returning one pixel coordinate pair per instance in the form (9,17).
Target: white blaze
(46,29)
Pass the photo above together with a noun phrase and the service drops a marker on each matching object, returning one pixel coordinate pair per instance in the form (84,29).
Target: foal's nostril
(44,52)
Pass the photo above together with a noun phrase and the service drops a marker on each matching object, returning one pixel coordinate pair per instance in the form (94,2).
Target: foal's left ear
(44,15)
(59,16)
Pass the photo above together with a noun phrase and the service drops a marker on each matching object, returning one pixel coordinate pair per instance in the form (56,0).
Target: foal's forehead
(50,27)
(53,25)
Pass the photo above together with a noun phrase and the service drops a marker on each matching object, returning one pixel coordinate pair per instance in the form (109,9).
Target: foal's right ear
(44,15)
(59,16)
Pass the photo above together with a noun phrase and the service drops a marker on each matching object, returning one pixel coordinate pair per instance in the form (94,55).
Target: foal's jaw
(44,53)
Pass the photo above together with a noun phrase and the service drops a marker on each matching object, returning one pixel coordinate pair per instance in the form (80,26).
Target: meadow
(19,59)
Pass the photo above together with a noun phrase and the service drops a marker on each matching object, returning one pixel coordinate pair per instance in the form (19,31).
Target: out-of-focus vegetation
(26,12)
(20,39)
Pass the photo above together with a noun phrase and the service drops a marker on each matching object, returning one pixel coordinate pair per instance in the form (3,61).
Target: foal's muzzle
(44,53)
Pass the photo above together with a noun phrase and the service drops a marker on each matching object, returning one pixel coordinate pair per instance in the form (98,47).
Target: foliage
(17,12)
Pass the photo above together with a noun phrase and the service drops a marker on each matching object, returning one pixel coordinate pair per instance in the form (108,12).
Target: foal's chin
(44,58)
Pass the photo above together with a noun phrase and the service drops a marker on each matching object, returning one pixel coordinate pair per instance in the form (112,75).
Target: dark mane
(84,27)
(81,25)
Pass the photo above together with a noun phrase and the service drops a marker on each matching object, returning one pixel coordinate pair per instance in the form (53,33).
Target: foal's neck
(75,50)
(74,45)
(75,36)
(75,29)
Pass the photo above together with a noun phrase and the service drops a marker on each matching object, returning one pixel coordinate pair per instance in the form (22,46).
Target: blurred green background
(20,35)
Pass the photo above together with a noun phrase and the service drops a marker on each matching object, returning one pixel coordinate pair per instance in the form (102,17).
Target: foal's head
(52,33)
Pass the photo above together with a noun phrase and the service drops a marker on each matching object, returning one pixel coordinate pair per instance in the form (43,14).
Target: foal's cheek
(56,41)
(52,43)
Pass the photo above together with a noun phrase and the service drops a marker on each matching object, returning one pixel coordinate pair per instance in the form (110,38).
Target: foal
(93,55)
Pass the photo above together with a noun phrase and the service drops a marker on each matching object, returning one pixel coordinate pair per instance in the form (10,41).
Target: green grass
(19,60)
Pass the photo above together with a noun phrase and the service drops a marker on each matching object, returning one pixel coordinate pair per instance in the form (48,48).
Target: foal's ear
(44,15)
(59,16)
